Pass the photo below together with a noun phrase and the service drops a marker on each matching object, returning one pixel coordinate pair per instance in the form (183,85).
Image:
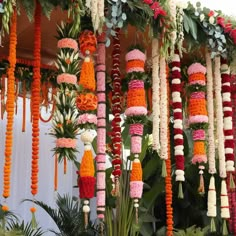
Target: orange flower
(87,165)
(68,61)
(136,97)
(87,102)
(87,41)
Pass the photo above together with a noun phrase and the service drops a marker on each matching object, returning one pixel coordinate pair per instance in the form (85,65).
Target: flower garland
(35,98)
(198,118)
(221,151)
(228,122)
(163,115)
(155,95)
(211,204)
(10,107)
(87,105)
(101,127)
(168,183)
(116,111)
(64,122)
(176,89)
(135,101)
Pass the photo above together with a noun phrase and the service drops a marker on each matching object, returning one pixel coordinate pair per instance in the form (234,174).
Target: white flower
(202,17)
(181,4)
(211,20)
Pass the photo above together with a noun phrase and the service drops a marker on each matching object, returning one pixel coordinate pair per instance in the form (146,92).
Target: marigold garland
(176,90)
(198,116)
(10,108)
(101,127)
(87,102)
(116,111)
(136,98)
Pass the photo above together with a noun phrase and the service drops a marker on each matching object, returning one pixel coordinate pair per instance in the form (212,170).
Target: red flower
(220,21)
(148,1)
(228,27)
(211,13)
(157,10)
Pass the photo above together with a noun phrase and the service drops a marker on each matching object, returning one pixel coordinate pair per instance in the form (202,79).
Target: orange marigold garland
(136,113)
(10,108)
(87,105)
(65,125)
(198,117)
(36,104)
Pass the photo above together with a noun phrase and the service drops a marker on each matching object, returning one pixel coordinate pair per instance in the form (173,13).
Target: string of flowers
(10,109)
(163,115)
(116,112)
(211,204)
(155,95)
(228,122)
(135,116)
(87,102)
(101,126)
(168,179)
(220,136)
(198,117)
(35,98)
(176,90)
(64,122)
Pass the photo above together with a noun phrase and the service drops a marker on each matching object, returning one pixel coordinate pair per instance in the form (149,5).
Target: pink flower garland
(101,127)
(66,78)
(66,143)
(176,89)
(68,43)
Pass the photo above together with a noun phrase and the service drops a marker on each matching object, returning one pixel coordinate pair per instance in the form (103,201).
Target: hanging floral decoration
(211,201)
(221,150)
(135,112)
(87,102)
(228,122)
(198,117)
(176,91)
(116,112)
(64,123)
(10,109)
(101,126)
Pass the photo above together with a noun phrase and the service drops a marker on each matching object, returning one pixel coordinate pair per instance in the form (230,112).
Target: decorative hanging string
(116,112)
(87,104)
(221,151)
(168,183)
(176,90)
(3,105)
(101,128)
(155,96)
(211,200)
(35,98)
(198,118)
(135,112)
(228,122)
(163,115)
(10,110)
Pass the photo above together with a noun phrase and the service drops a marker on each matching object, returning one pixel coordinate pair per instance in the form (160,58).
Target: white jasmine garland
(176,81)
(210,110)
(172,8)
(211,203)
(155,95)
(219,118)
(163,108)
(224,201)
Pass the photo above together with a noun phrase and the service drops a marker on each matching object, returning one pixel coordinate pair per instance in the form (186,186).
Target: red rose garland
(101,126)
(116,111)
(36,104)
(176,89)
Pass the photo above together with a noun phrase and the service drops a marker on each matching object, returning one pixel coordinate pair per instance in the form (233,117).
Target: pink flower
(68,43)
(220,21)
(66,78)
(87,118)
(66,143)
(148,1)
(211,13)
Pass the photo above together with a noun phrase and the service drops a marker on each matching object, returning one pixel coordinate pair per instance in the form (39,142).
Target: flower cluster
(156,7)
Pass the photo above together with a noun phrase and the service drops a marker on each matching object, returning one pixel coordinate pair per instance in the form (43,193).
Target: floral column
(136,113)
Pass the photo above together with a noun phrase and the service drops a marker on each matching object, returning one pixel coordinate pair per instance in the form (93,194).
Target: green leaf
(151,167)
(192,26)
(186,26)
